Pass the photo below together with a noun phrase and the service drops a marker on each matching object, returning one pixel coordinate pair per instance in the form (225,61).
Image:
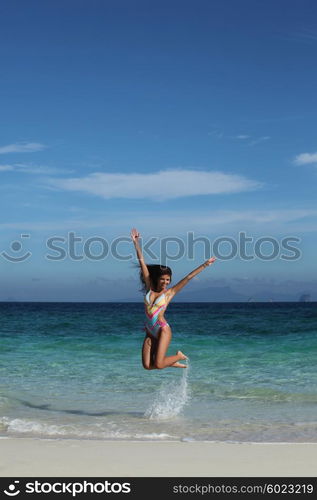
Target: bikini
(152,323)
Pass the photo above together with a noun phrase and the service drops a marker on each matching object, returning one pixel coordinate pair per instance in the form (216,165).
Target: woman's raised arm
(135,235)
(176,288)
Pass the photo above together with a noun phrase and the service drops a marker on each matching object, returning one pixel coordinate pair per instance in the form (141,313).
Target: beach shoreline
(30,457)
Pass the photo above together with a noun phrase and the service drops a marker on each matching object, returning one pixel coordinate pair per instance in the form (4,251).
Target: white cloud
(22,147)
(250,140)
(162,185)
(41,169)
(34,169)
(229,220)
(167,223)
(305,158)
(216,133)
(307,35)
(259,140)
(4,168)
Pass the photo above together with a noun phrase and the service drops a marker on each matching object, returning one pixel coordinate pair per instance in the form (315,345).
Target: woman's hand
(135,235)
(209,261)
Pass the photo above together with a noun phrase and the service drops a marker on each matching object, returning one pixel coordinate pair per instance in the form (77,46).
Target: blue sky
(172,117)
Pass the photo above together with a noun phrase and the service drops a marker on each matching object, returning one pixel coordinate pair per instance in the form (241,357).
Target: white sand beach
(23,457)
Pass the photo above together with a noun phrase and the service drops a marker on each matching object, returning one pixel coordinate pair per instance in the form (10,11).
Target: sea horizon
(174,301)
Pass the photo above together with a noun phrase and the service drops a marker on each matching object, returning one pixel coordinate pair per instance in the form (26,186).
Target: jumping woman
(155,280)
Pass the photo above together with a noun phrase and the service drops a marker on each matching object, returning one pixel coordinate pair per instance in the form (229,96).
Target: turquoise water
(74,370)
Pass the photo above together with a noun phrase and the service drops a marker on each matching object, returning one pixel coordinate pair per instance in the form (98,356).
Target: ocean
(73,370)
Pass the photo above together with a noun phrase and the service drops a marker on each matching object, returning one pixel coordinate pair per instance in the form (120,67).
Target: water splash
(171,398)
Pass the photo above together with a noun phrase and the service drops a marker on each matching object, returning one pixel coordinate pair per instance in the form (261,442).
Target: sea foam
(171,398)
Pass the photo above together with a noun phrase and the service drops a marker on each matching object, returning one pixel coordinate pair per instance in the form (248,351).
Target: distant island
(305,297)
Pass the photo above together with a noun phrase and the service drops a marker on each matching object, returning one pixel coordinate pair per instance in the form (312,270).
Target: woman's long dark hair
(155,271)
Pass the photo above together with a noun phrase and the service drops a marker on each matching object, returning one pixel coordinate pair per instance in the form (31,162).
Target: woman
(155,280)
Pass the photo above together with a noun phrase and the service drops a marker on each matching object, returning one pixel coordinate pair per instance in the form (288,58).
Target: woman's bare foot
(181,355)
(179,365)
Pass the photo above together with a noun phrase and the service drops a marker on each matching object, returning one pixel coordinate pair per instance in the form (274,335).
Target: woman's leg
(161,360)
(148,352)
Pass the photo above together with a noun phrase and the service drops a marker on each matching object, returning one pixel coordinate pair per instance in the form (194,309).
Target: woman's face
(163,281)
